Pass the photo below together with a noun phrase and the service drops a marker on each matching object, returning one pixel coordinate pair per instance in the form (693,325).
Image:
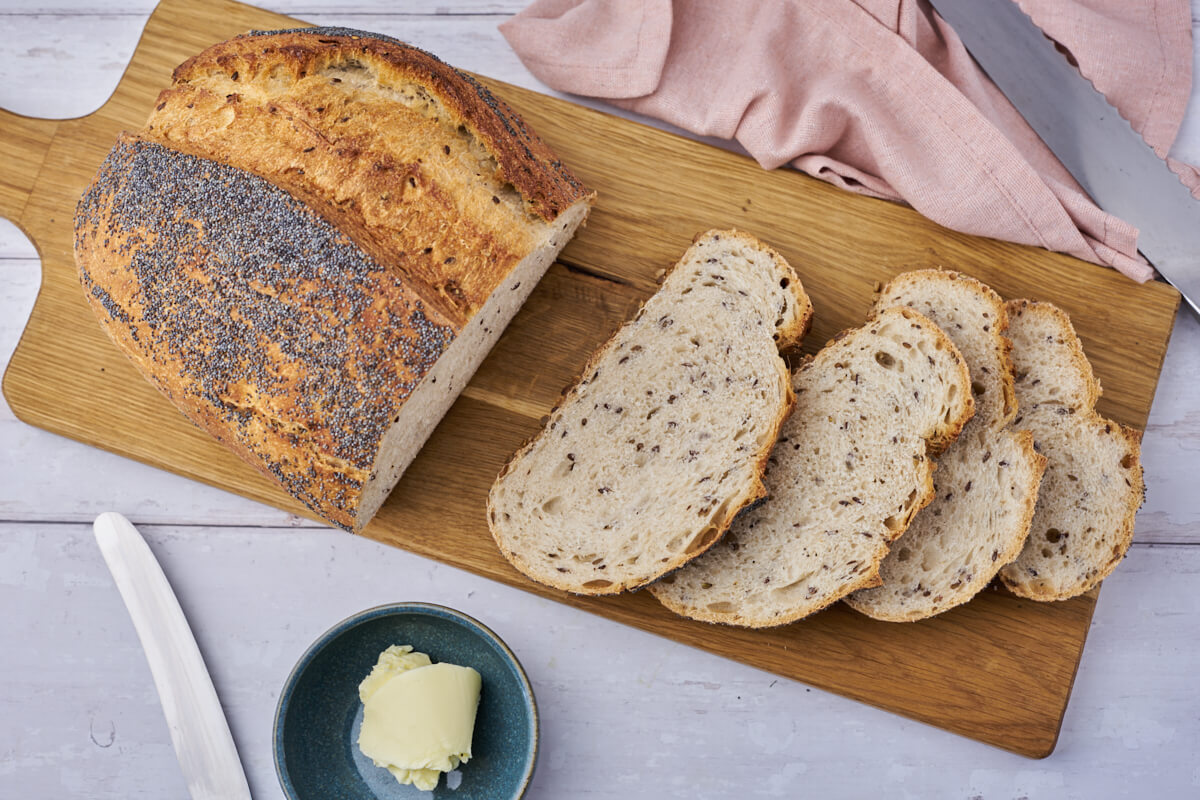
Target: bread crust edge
(1133,440)
(869,578)
(735,506)
(525,160)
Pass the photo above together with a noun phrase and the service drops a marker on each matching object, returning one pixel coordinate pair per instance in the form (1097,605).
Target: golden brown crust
(1079,361)
(1134,498)
(897,285)
(1131,459)
(416,163)
(524,159)
(789,336)
(206,302)
(1002,557)
(305,224)
(923,494)
(945,435)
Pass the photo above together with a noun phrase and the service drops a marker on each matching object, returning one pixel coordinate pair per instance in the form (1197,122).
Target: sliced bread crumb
(847,475)
(986,483)
(654,451)
(1093,485)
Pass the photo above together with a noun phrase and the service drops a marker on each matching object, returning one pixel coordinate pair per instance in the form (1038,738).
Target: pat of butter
(418,717)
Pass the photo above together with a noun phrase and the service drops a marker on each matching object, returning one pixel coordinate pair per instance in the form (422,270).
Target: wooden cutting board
(998,669)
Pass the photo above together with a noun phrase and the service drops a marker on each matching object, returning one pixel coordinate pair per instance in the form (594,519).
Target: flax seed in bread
(848,473)
(986,483)
(312,245)
(663,440)
(1093,486)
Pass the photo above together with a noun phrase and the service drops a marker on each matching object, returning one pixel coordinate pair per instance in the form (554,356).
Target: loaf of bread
(848,473)
(1093,487)
(663,440)
(311,246)
(986,483)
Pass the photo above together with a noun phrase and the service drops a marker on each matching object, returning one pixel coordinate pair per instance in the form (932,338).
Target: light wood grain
(961,671)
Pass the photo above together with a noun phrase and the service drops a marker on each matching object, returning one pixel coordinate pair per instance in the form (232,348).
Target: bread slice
(650,455)
(850,470)
(1093,487)
(313,244)
(986,483)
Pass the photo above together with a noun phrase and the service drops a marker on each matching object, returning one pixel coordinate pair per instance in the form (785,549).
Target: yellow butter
(418,717)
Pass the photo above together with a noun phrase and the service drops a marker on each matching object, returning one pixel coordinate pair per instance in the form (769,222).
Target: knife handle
(199,730)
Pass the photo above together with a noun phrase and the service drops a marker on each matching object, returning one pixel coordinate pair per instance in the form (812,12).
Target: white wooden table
(624,713)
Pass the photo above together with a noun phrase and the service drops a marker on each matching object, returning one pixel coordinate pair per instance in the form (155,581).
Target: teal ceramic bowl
(319,713)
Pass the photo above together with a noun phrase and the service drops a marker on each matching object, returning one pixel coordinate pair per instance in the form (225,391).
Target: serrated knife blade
(1094,142)
(199,731)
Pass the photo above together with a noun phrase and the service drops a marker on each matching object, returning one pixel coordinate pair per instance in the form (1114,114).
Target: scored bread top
(849,471)
(417,162)
(294,245)
(651,454)
(1093,485)
(271,330)
(986,483)
(524,160)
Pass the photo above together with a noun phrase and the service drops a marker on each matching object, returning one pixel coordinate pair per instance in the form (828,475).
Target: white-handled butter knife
(199,731)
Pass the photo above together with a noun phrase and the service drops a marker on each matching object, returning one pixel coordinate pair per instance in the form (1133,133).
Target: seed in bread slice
(847,475)
(1093,487)
(651,454)
(986,483)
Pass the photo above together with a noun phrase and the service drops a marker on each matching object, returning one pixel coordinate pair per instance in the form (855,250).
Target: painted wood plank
(51,478)
(624,714)
(142,8)
(958,671)
(88,59)
(100,45)
(48,477)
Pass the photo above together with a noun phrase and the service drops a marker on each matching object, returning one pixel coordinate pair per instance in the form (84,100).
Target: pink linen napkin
(879,97)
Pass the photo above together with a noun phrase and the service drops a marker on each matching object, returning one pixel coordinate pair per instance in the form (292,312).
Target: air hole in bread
(553,505)
(597,584)
(977,388)
(720,608)
(885,359)
(704,540)
(1128,461)
(904,555)
(1053,535)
